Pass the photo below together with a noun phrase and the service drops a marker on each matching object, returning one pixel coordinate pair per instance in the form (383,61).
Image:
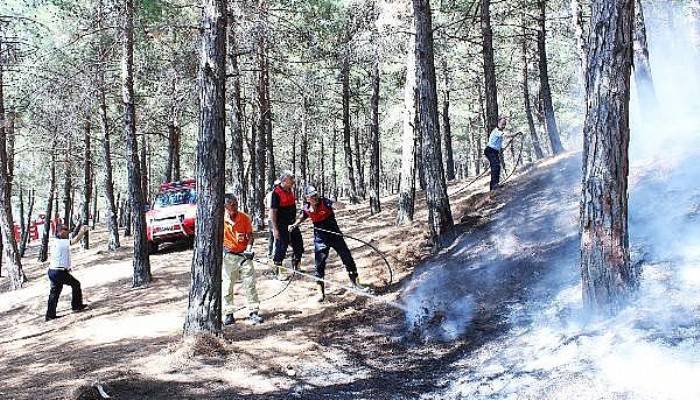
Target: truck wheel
(152,247)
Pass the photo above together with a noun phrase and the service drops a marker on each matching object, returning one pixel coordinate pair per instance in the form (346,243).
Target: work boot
(80,308)
(52,317)
(356,284)
(321,296)
(254,318)
(296,266)
(229,320)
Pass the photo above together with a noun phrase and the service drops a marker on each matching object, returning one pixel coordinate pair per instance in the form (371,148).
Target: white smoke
(650,350)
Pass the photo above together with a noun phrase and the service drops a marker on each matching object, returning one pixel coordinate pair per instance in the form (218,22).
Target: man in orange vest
(238,260)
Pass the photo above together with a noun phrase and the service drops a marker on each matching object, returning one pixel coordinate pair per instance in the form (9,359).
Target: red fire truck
(172,214)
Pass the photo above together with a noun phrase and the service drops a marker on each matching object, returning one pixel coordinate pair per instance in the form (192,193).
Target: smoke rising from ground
(525,263)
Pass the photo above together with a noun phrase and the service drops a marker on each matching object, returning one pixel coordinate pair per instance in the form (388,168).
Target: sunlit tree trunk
(204,310)
(237,163)
(447,130)
(605,259)
(439,213)
(347,145)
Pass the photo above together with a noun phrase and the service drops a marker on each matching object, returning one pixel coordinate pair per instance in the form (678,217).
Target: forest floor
(130,339)
(473,327)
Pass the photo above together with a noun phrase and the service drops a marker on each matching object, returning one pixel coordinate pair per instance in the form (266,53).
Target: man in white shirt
(493,150)
(59,271)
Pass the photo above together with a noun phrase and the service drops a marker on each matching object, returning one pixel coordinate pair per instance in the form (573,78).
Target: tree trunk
(144,169)
(439,213)
(25,234)
(87,183)
(580,33)
(260,187)
(237,163)
(204,310)
(642,68)
(489,67)
(407,184)
(334,171)
(304,148)
(375,160)
(112,224)
(526,99)
(347,146)
(9,248)
(172,140)
(141,262)
(605,259)
(547,105)
(67,184)
(447,130)
(44,249)
(361,189)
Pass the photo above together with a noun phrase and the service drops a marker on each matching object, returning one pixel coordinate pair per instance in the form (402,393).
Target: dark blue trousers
(322,247)
(286,238)
(495,164)
(58,278)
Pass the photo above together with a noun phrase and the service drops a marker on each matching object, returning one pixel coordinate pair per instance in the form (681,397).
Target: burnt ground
(348,348)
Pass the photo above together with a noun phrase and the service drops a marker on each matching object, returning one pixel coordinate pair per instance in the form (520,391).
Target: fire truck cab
(172,214)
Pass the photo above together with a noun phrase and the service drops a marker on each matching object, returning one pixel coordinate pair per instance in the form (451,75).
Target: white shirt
(60,254)
(496,139)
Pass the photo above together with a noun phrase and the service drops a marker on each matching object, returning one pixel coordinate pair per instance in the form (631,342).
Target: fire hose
(295,272)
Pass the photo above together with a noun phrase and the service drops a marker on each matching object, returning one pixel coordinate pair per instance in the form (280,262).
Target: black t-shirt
(285,215)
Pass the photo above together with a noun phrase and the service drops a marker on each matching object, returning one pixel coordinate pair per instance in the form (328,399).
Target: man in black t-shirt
(283,211)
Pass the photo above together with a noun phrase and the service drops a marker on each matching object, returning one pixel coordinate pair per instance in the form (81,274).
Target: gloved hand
(293,227)
(249,254)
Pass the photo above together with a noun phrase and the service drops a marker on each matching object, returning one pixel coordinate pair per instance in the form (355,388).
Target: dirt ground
(130,343)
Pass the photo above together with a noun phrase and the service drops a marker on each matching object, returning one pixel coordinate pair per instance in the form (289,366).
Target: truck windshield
(175,198)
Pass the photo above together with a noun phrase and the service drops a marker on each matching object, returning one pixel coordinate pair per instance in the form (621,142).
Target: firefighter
(282,213)
(238,260)
(59,271)
(493,150)
(327,236)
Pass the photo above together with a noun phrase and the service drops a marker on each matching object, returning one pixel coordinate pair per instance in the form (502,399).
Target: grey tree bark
(447,129)
(347,145)
(606,272)
(9,248)
(141,261)
(439,213)
(204,310)
(407,184)
(375,160)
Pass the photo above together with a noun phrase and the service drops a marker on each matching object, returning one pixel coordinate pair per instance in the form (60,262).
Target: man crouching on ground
(59,271)
(238,259)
